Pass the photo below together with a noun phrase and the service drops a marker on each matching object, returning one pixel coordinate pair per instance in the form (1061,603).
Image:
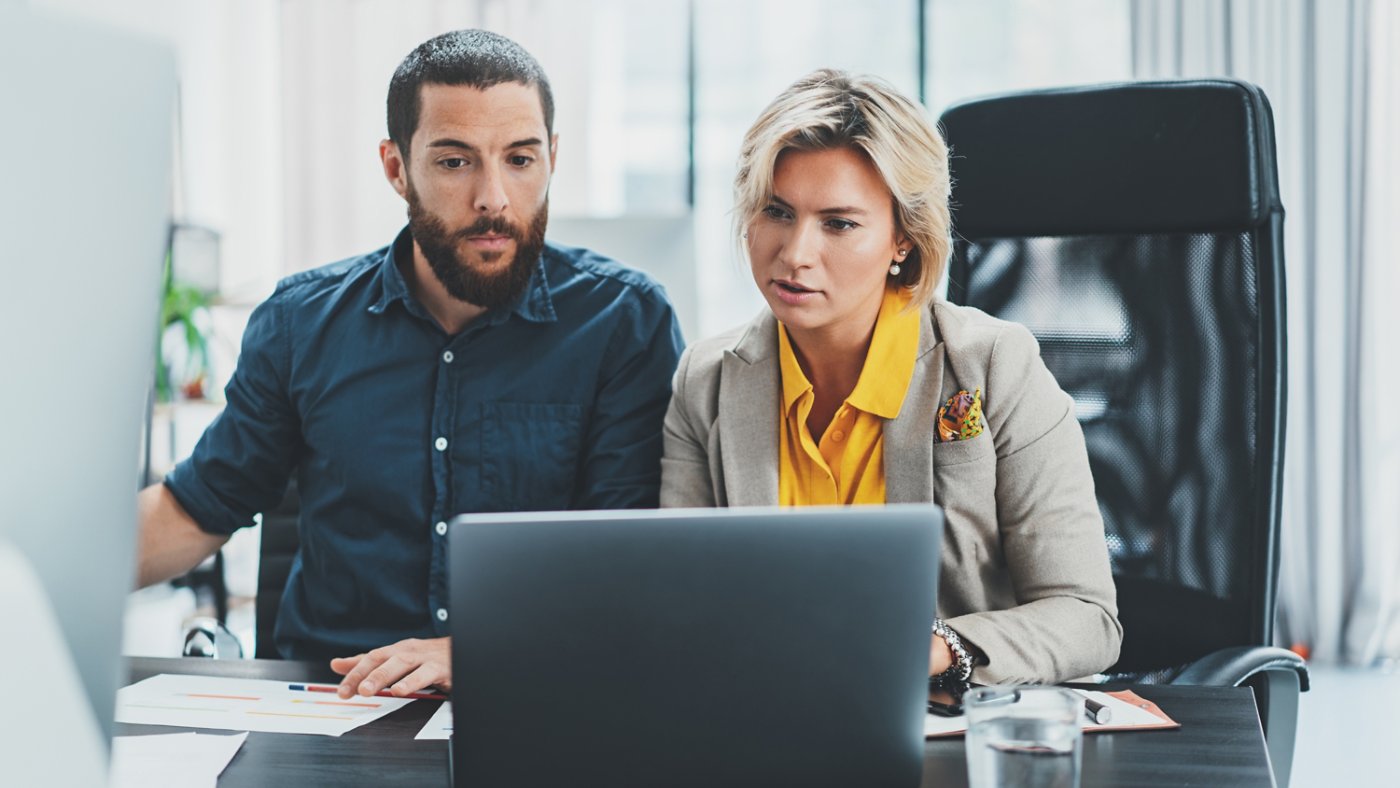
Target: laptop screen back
(693,647)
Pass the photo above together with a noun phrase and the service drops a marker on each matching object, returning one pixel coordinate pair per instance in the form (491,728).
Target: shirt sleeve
(622,460)
(242,463)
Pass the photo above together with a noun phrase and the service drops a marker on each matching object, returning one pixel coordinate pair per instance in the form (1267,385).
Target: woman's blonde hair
(830,108)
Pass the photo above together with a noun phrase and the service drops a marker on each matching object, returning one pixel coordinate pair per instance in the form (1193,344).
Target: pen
(994,696)
(382,693)
(1096,712)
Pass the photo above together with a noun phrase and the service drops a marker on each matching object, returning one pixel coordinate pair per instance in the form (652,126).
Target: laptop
(692,647)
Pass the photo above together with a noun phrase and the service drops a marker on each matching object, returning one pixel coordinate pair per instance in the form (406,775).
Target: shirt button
(442,529)
(447,357)
(838,436)
(442,614)
(440,444)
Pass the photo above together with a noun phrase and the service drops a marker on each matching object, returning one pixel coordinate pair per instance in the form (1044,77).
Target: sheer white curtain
(333,54)
(338,56)
(227,176)
(1331,72)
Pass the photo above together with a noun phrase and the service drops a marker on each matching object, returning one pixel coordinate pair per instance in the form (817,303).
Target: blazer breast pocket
(965,485)
(947,453)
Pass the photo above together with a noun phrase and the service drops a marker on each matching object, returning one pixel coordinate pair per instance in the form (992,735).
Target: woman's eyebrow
(847,209)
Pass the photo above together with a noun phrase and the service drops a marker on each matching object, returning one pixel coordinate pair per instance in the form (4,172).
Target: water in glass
(1020,751)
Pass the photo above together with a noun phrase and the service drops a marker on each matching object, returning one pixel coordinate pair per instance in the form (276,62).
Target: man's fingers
(350,685)
(407,666)
(368,662)
(391,670)
(343,665)
(427,675)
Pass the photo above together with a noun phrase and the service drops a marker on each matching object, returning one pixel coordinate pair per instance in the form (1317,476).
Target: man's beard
(463,280)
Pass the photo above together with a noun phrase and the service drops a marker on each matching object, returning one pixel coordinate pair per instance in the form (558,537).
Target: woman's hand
(940,657)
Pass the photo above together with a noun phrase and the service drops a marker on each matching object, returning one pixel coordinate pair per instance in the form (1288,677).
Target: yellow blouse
(848,465)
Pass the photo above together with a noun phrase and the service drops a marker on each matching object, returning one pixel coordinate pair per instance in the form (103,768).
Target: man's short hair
(476,58)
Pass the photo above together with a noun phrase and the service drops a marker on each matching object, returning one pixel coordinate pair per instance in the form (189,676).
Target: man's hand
(405,667)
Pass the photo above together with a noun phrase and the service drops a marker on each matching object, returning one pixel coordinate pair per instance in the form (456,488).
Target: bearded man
(469,366)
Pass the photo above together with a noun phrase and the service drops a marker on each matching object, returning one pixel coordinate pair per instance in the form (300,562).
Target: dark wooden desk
(1220,741)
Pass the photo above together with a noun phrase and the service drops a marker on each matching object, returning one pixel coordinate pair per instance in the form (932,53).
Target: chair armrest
(1277,676)
(206,637)
(1231,667)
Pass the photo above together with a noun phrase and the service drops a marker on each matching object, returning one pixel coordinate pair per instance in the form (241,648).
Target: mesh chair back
(1136,229)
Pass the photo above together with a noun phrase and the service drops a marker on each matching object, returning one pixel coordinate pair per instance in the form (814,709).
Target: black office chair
(277,549)
(1136,229)
(280,542)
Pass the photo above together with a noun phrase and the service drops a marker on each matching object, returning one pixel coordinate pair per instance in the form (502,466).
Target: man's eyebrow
(846,209)
(448,142)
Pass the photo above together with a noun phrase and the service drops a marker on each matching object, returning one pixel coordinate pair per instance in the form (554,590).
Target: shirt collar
(795,383)
(533,304)
(536,304)
(392,286)
(889,363)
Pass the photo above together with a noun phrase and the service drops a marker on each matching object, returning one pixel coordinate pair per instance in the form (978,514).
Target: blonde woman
(857,385)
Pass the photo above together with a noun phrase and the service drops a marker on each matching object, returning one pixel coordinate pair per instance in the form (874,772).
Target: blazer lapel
(748,415)
(909,436)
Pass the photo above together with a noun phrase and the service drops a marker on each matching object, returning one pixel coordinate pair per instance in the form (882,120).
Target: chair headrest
(1132,158)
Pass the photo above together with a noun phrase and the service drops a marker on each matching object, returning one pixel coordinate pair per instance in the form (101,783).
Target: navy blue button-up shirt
(392,426)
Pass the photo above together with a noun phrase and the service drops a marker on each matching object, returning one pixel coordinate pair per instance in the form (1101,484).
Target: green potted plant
(183,356)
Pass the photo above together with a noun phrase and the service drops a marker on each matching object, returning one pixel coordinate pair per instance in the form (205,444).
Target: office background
(281,108)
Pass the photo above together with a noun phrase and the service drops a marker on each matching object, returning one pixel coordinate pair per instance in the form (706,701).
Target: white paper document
(171,760)
(439,726)
(1127,715)
(245,705)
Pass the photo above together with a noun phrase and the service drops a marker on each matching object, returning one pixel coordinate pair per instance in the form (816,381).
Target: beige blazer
(1025,574)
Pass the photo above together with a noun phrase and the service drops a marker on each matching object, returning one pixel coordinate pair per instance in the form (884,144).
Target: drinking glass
(1028,737)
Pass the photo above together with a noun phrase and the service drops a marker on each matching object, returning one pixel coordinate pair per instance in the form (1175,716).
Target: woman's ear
(902,246)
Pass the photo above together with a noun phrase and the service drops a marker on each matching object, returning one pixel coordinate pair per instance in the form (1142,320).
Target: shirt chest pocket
(530,454)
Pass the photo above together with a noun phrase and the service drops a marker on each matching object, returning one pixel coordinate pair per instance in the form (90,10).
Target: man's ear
(553,153)
(395,167)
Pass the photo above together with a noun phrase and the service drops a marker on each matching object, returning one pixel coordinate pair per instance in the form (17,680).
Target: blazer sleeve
(685,461)
(1065,621)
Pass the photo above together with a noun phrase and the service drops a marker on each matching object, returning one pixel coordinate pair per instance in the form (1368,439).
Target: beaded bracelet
(961,669)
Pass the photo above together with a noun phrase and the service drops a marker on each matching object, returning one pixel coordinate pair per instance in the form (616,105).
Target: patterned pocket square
(961,418)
